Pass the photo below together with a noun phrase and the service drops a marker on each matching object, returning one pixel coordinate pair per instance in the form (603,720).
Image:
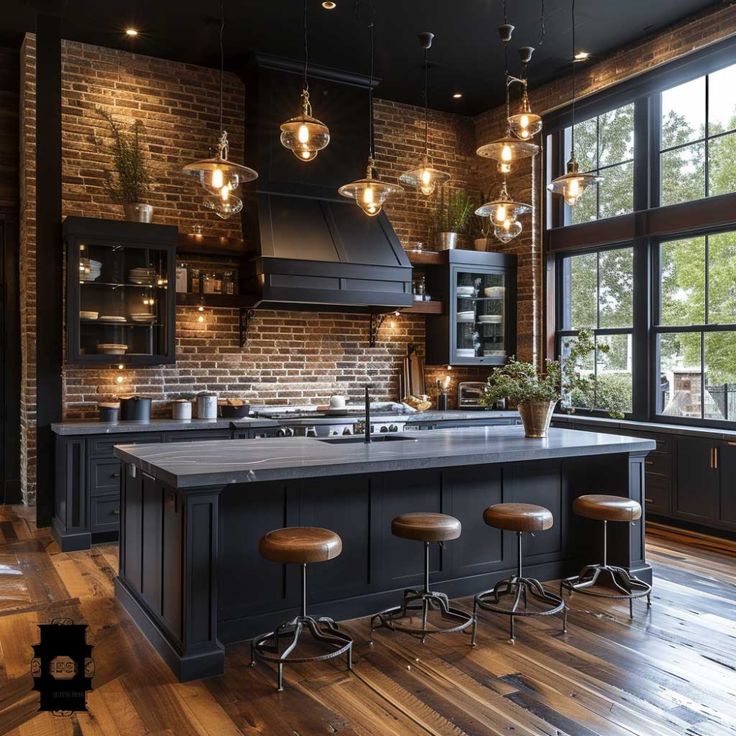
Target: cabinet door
(727,468)
(696,496)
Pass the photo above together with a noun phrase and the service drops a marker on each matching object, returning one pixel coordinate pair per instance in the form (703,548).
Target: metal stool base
(520,588)
(628,585)
(422,601)
(322,629)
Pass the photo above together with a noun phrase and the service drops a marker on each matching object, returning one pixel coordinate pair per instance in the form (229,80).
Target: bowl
(233,409)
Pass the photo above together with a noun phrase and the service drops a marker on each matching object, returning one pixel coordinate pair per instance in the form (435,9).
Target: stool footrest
(625,585)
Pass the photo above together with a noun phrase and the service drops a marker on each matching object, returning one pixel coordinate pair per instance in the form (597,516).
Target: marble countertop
(224,462)
(157,425)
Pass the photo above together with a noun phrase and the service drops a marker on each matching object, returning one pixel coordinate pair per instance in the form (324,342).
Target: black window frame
(644,228)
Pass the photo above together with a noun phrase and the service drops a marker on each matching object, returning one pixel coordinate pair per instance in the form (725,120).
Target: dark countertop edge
(654,427)
(92,427)
(193,483)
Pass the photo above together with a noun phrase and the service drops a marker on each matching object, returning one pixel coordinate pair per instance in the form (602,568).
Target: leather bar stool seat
(510,596)
(300,545)
(426,527)
(607,508)
(518,517)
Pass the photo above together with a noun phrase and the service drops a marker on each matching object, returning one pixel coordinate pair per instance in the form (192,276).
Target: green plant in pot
(481,228)
(536,394)
(130,181)
(454,210)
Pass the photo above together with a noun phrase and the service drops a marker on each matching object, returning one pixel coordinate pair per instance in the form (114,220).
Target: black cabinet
(697,490)
(727,466)
(120,296)
(478,326)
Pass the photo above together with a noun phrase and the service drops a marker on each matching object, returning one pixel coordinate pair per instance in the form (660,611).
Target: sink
(359,438)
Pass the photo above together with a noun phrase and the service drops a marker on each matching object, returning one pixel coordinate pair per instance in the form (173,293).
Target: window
(604,145)
(696,327)
(698,138)
(597,294)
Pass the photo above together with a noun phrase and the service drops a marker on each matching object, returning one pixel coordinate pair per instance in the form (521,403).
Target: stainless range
(308,421)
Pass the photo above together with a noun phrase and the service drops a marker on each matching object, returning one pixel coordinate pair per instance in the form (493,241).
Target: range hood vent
(312,248)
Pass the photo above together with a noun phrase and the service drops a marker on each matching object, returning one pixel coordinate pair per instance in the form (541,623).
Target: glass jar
(208,283)
(228,283)
(195,284)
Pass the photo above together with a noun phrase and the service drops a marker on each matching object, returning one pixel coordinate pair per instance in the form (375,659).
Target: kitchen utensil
(233,408)
(416,374)
(135,408)
(207,405)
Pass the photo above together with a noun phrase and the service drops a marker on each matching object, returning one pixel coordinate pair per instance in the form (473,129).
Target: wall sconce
(120,378)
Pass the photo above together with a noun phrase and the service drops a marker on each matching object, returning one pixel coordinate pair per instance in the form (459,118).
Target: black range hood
(313,249)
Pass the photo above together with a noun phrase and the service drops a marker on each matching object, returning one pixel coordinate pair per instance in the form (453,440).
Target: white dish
(466,314)
(112,348)
(492,319)
(465,291)
(112,318)
(84,314)
(494,292)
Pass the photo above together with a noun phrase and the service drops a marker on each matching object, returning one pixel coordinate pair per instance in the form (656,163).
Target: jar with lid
(195,283)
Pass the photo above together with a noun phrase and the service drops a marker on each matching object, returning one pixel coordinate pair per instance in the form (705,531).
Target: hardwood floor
(672,671)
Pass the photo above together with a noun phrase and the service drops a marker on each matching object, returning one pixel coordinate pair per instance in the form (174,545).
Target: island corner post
(192,579)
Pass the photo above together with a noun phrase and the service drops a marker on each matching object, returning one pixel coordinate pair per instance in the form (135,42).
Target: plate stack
(112,318)
(466,316)
(112,348)
(490,319)
(89,269)
(143,317)
(465,352)
(466,292)
(142,276)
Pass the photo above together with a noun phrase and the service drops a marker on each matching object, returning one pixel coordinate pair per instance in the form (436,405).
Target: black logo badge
(62,667)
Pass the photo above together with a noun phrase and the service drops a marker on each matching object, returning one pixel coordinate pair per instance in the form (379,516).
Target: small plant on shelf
(536,394)
(452,217)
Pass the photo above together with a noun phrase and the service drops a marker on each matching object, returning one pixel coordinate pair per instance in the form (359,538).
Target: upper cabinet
(478,326)
(120,296)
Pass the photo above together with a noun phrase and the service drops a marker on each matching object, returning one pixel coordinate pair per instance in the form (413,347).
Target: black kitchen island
(191,576)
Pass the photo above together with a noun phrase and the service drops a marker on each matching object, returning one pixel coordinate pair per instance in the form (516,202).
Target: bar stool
(605,509)
(519,518)
(301,546)
(423,527)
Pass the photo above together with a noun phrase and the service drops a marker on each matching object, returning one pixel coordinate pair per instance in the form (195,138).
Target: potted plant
(131,180)
(536,395)
(454,211)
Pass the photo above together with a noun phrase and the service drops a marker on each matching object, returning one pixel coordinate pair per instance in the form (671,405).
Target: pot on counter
(181,409)
(109,411)
(135,408)
(207,405)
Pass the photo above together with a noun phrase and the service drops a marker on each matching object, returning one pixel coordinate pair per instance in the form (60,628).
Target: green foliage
(454,210)
(131,179)
(520,383)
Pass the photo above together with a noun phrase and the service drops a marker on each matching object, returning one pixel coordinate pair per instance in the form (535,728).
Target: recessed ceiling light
(457,96)
(582,56)
(131,32)
(329,5)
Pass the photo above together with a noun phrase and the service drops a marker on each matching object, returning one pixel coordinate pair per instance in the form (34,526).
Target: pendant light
(218,175)
(369,193)
(572,183)
(503,212)
(509,149)
(425,178)
(304,135)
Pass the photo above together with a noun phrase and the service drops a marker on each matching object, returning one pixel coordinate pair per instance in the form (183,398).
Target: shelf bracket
(376,321)
(246,315)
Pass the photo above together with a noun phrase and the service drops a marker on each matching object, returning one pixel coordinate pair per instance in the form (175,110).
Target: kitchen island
(191,576)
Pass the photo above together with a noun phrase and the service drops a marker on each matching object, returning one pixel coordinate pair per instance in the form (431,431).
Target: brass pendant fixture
(504,213)
(572,184)
(425,178)
(219,176)
(304,135)
(525,124)
(369,193)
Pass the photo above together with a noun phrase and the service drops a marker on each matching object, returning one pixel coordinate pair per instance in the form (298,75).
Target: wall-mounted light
(457,96)
(582,56)
(131,32)
(329,5)
(120,378)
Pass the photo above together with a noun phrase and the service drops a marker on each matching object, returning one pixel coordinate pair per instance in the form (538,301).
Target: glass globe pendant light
(370,193)
(425,178)
(304,135)
(572,184)
(504,211)
(525,124)
(219,176)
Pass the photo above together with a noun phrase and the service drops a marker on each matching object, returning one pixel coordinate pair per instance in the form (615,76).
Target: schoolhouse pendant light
(504,212)
(425,178)
(304,135)
(370,193)
(219,176)
(572,184)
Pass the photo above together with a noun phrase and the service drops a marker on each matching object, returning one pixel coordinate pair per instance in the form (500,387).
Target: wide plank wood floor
(672,671)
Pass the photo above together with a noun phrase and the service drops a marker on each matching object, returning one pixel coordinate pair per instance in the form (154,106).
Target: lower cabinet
(698,480)
(727,468)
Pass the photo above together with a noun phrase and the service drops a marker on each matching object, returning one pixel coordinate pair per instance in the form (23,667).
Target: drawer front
(659,463)
(102,446)
(104,513)
(197,435)
(658,495)
(104,476)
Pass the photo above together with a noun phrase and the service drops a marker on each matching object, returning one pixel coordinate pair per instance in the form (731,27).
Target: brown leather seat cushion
(518,517)
(426,527)
(300,545)
(607,508)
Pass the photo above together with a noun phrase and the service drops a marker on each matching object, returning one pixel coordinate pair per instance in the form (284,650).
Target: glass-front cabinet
(120,292)
(479,326)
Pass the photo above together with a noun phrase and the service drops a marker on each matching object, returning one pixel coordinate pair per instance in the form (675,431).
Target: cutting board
(416,374)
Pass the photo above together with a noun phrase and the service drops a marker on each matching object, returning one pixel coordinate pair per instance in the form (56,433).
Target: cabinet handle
(114,475)
(649,500)
(115,512)
(715,458)
(649,462)
(731,444)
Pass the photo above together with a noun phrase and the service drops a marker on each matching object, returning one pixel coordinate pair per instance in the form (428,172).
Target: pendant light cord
(574,89)
(426,102)
(306,47)
(222,55)
(371,145)
(542,27)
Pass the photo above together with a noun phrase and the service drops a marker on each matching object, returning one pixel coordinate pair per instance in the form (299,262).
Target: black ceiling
(467,55)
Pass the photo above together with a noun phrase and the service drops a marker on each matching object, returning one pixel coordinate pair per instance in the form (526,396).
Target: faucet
(367,414)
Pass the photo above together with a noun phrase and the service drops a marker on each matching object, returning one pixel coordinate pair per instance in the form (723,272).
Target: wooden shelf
(427,257)
(431,307)
(224,301)
(208,245)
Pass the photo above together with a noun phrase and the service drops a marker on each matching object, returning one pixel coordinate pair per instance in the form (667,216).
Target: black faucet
(367,415)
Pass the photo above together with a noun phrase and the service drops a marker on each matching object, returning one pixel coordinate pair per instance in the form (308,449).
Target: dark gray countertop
(157,425)
(220,462)
(456,415)
(712,433)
